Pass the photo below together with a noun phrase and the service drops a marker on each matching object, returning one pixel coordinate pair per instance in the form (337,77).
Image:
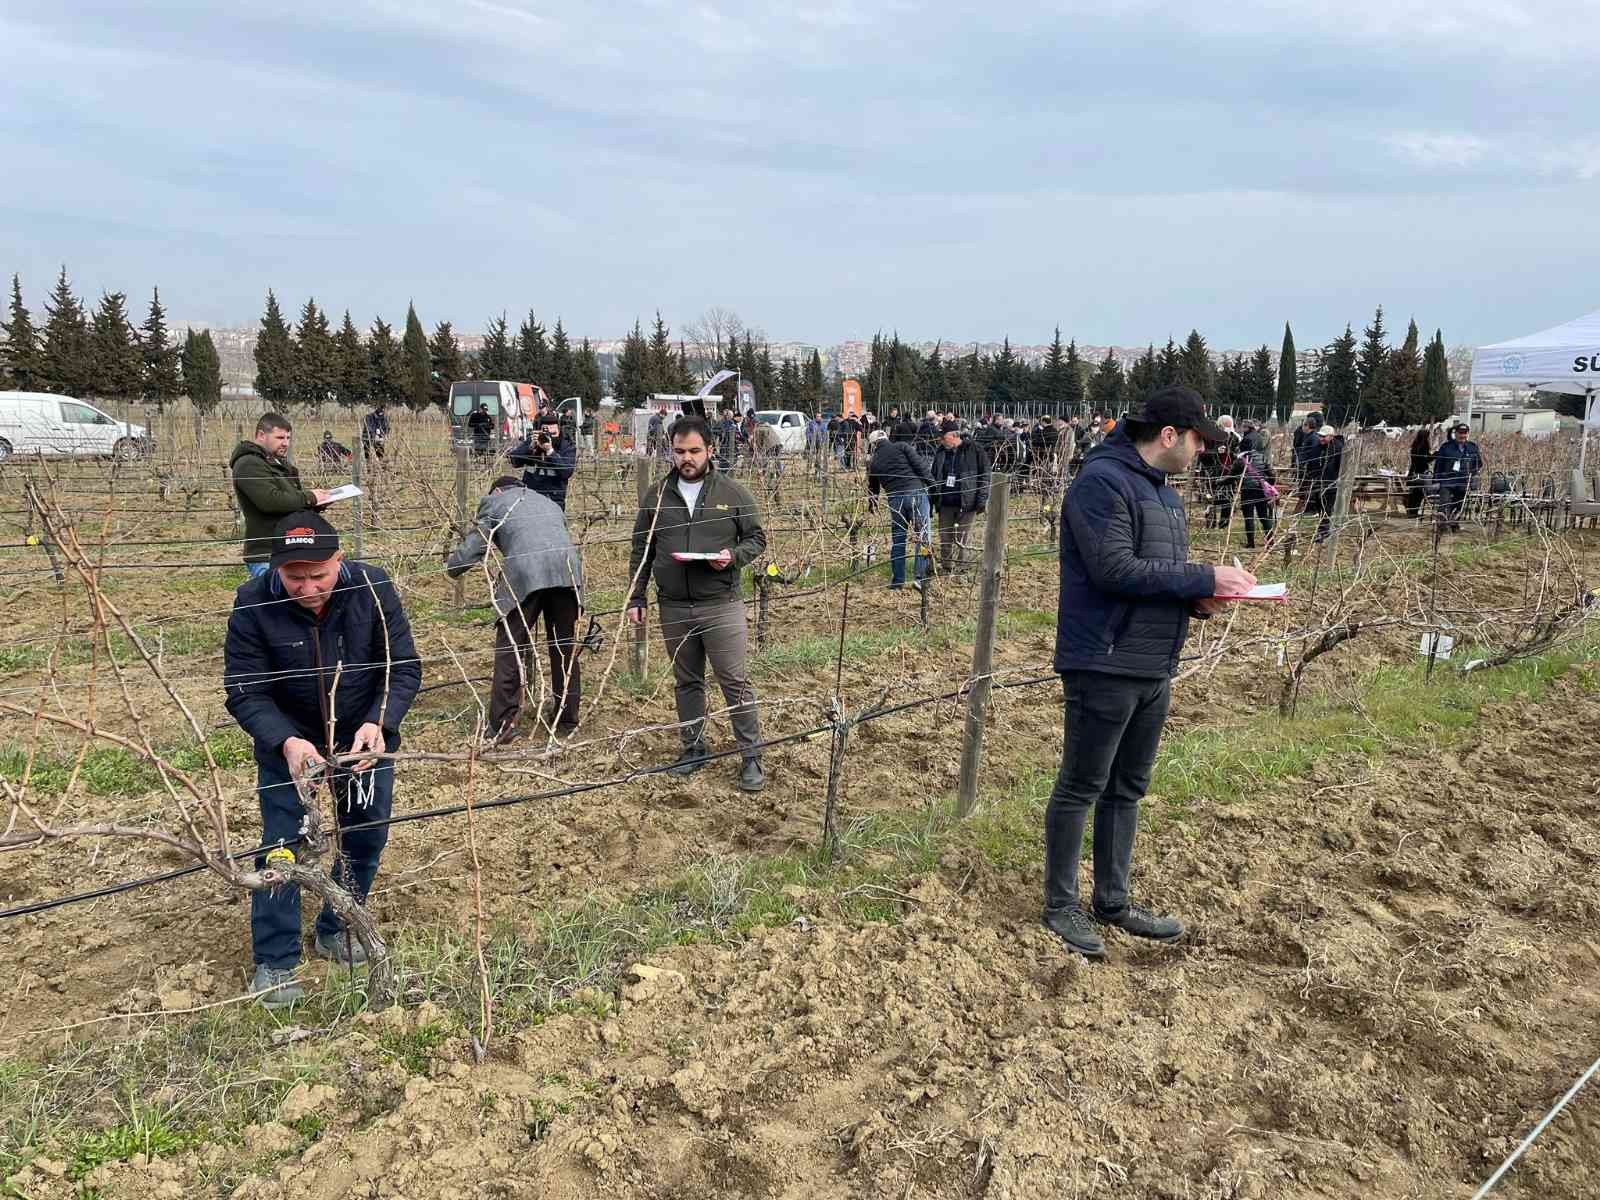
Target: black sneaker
(1141,922)
(1072,926)
(690,761)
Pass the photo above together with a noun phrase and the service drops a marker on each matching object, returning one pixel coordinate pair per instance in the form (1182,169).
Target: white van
(39,423)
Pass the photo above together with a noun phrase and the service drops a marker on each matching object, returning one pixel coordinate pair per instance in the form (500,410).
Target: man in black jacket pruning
(318,663)
(268,487)
(902,474)
(1127,593)
(695,531)
(960,491)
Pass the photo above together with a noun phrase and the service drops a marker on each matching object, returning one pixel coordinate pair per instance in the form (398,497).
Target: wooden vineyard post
(356,517)
(461,517)
(641,479)
(994,557)
(1349,468)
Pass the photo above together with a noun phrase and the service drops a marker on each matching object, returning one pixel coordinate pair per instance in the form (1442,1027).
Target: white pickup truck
(789,425)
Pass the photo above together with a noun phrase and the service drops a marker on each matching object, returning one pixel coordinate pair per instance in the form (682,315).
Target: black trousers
(1112,727)
(515,671)
(1451,498)
(1256,509)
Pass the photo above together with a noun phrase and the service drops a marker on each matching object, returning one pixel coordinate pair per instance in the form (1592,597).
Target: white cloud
(1439,149)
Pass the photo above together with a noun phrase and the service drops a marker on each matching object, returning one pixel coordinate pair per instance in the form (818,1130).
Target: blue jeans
(907,511)
(257,569)
(275,915)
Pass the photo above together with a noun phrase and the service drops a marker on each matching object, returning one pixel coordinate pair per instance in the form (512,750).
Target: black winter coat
(1127,585)
(897,469)
(279,662)
(970,466)
(546,474)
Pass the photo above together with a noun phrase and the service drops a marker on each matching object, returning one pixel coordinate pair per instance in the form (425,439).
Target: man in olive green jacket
(268,488)
(695,531)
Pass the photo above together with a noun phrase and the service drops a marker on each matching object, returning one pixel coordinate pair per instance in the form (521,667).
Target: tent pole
(1588,411)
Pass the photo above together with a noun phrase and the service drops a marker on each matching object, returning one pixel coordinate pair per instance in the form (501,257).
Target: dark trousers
(1112,728)
(955,530)
(1415,490)
(1259,509)
(515,667)
(1451,498)
(275,915)
(714,632)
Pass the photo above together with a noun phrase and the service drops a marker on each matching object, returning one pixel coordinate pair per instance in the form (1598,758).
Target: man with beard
(695,531)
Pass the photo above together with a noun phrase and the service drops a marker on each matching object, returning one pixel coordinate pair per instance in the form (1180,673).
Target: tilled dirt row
(1390,976)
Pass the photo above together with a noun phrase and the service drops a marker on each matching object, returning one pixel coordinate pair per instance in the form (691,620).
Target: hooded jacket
(725,518)
(1127,587)
(280,662)
(268,488)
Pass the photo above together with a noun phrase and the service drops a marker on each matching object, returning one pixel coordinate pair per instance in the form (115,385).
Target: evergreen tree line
(101,354)
(309,364)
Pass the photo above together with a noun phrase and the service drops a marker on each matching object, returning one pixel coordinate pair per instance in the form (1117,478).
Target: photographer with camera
(547,457)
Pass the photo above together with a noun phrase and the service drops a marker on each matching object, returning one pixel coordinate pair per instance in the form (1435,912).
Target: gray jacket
(533,549)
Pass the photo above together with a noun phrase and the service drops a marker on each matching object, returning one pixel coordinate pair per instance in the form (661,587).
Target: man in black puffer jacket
(900,472)
(318,662)
(959,493)
(1127,593)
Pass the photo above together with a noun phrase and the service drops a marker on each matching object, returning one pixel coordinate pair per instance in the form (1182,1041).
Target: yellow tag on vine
(772,570)
(33,539)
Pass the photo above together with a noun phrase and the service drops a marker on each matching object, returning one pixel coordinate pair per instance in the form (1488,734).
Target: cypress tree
(1194,367)
(160,356)
(1438,399)
(351,355)
(385,370)
(316,375)
(202,370)
(1258,394)
(20,360)
(588,373)
(766,378)
(1288,376)
(563,371)
(813,380)
(790,388)
(1075,388)
(65,362)
(629,386)
(274,358)
(1230,385)
(1404,390)
(118,361)
(444,359)
(1372,372)
(1054,382)
(495,359)
(684,382)
(1341,384)
(532,354)
(660,371)
(414,362)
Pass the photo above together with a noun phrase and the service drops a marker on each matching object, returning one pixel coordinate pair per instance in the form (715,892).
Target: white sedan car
(790,427)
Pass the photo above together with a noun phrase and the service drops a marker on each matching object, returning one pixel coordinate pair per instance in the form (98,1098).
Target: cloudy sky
(1127,168)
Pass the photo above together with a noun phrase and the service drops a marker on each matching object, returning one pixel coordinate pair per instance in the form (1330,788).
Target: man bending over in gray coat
(535,570)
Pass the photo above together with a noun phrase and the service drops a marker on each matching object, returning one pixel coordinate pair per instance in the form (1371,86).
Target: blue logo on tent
(1511,364)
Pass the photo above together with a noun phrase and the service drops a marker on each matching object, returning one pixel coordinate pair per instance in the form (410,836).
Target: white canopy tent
(1563,359)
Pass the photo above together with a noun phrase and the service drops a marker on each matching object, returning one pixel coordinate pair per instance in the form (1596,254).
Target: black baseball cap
(303,537)
(1181,408)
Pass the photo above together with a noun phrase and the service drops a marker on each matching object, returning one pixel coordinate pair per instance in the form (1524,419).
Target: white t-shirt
(690,492)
